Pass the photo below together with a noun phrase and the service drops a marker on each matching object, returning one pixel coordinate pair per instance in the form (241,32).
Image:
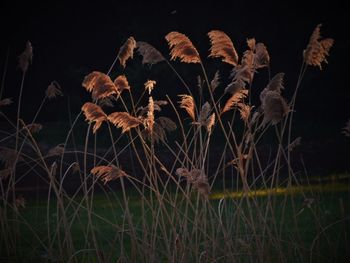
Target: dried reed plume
(187,103)
(244,110)
(156,105)
(26,58)
(54,167)
(197,178)
(182,48)
(106,102)
(149,54)
(161,126)
(56,151)
(214,83)
(99,84)
(149,122)
(149,85)
(210,122)
(34,127)
(6,102)
(272,103)
(126,51)
(166,123)
(261,56)
(4,173)
(203,114)
(317,50)
(123,120)
(94,113)
(294,144)
(234,100)
(19,202)
(235,86)
(121,83)
(257,54)
(276,83)
(8,157)
(346,129)
(108,173)
(222,46)
(53,90)
(274,107)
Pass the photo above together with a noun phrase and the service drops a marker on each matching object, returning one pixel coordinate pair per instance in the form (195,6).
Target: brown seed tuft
(149,121)
(6,102)
(182,48)
(244,110)
(94,113)
(187,103)
(149,85)
(317,50)
(214,83)
(9,156)
(124,120)
(234,100)
(56,151)
(149,54)
(108,173)
(53,90)
(99,84)
(121,83)
(197,178)
(222,46)
(4,173)
(26,58)
(127,51)
(274,107)
(346,129)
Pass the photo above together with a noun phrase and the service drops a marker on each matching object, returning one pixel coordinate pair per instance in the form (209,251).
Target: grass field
(292,220)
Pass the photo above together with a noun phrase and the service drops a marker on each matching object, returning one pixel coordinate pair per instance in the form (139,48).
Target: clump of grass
(178,217)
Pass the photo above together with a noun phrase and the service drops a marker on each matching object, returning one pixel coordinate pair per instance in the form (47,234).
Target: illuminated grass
(330,187)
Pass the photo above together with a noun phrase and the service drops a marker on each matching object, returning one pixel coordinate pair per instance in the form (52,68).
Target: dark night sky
(72,39)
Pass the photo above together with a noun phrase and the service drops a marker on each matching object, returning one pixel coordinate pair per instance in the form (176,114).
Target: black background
(71,39)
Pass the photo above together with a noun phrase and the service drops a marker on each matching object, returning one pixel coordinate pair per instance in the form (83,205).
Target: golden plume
(94,113)
(149,54)
(209,124)
(244,110)
(108,173)
(317,50)
(26,57)
(124,120)
(99,84)
(234,100)
(222,46)
(187,103)
(149,122)
(126,51)
(121,83)
(149,85)
(182,48)
(53,90)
